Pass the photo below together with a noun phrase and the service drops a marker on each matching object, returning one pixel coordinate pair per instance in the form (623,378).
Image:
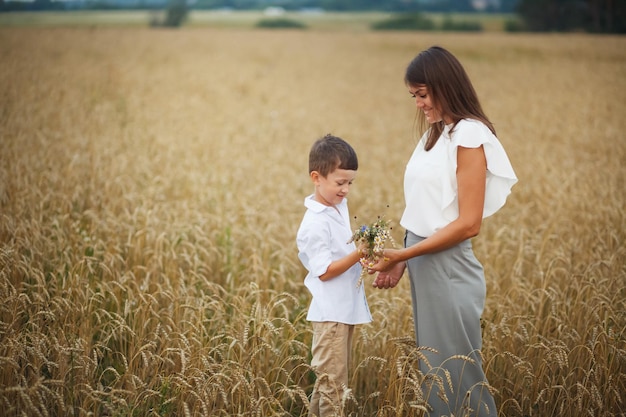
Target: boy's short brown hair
(330,153)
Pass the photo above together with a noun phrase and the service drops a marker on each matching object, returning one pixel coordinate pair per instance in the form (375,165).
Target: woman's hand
(390,278)
(388,259)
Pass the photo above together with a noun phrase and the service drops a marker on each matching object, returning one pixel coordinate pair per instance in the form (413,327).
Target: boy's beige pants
(331,349)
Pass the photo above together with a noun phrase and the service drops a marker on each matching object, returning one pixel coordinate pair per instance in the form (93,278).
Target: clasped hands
(388,268)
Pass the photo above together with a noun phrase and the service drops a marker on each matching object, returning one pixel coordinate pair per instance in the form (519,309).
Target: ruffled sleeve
(500,174)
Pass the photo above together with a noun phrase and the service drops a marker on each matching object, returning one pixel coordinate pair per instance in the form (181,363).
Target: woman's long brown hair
(449,87)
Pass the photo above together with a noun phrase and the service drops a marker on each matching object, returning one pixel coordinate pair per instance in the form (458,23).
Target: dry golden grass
(151,185)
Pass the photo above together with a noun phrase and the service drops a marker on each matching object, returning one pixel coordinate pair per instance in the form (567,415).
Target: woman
(458,174)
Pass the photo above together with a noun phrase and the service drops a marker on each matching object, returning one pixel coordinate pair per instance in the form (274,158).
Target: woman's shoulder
(471,125)
(471,133)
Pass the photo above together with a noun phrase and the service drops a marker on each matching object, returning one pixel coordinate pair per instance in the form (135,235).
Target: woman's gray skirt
(448,293)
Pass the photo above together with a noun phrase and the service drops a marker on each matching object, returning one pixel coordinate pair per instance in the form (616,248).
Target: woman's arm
(471,176)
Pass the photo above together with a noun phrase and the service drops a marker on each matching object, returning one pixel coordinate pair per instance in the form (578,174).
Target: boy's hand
(390,278)
(362,248)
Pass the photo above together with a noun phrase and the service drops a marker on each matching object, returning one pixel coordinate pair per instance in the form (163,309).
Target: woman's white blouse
(430,185)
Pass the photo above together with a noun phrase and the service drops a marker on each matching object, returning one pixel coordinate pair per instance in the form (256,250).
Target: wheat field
(151,185)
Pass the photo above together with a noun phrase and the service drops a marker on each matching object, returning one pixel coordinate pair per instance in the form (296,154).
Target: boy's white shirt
(321,239)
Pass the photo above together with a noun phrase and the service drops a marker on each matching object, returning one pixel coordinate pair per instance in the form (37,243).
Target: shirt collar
(317,207)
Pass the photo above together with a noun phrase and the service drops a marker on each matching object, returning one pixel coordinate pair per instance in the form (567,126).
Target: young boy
(338,304)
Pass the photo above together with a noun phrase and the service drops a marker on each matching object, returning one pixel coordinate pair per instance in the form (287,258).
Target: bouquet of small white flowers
(374,237)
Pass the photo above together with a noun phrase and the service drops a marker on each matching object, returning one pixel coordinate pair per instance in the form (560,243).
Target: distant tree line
(596,16)
(394,6)
(398,6)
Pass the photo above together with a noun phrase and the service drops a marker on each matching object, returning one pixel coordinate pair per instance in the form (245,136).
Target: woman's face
(423,101)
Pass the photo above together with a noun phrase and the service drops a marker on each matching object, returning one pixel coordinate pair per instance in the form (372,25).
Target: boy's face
(332,189)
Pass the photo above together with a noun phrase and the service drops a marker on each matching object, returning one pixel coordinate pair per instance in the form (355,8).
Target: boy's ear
(315,177)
